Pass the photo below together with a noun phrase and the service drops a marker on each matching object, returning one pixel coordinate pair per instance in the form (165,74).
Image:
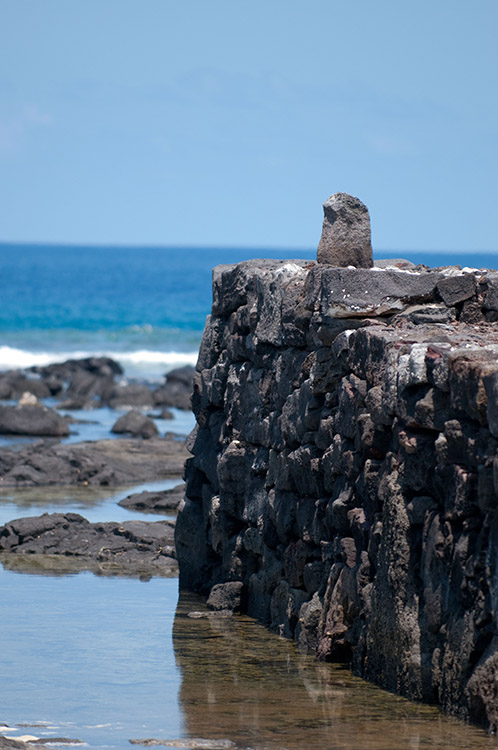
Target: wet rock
(194,743)
(30,417)
(163,414)
(101,463)
(226,596)
(345,239)
(135,423)
(155,502)
(138,547)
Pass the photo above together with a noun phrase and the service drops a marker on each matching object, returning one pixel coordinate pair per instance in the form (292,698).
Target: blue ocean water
(146,307)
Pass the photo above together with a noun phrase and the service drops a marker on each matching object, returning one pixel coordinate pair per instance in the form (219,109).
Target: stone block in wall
(232,286)
(466,371)
(196,560)
(233,469)
(457,288)
(491,291)
(362,292)
(490,382)
(286,603)
(351,392)
(307,628)
(211,343)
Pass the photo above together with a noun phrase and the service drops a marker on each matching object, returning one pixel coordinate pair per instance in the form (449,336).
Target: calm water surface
(107,660)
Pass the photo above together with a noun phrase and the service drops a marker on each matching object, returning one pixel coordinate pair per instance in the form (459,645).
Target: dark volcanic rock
(226,596)
(134,547)
(135,423)
(155,502)
(345,239)
(345,469)
(130,394)
(89,380)
(30,417)
(104,462)
(15,382)
(177,390)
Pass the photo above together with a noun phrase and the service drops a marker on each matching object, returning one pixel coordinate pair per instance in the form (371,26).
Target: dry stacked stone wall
(345,469)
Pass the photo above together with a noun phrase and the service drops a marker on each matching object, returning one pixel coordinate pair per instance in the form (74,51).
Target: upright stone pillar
(345,239)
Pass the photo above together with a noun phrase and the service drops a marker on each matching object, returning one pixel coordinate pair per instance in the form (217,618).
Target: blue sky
(223,122)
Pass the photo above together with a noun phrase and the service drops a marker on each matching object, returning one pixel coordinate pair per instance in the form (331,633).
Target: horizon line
(207,247)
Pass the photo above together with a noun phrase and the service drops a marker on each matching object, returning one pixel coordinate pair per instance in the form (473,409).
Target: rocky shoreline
(102,463)
(58,543)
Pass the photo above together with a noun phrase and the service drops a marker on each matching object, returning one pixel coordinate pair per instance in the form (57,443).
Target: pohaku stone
(346,236)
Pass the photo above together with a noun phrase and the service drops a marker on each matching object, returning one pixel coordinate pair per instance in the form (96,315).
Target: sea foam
(12,358)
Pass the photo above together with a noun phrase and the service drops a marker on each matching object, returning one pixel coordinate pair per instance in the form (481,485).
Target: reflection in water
(94,503)
(242,683)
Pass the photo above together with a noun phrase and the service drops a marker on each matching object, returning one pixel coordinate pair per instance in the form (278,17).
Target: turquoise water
(144,306)
(110,659)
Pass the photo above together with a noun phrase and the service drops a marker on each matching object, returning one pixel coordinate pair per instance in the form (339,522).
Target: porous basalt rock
(132,547)
(344,469)
(345,239)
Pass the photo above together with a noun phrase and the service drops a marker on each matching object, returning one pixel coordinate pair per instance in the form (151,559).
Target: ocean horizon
(143,306)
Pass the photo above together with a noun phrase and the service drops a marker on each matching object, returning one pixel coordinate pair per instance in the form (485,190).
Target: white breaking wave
(12,358)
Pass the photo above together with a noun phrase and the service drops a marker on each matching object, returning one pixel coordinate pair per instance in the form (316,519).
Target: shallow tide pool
(110,659)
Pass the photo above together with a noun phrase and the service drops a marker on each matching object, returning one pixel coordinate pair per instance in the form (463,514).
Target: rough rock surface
(104,462)
(345,239)
(155,502)
(345,469)
(135,423)
(132,547)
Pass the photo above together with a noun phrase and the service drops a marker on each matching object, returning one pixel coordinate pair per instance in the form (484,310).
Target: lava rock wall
(345,469)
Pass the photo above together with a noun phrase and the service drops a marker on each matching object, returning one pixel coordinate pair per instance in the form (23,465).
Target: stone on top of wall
(345,239)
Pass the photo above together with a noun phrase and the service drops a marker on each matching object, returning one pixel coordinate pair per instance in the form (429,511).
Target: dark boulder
(135,423)
(15,382)
(226,596)
(30,417)
(177,389)
(90,379)
(130,394)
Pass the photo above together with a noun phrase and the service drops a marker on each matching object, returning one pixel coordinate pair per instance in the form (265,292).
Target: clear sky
(222,122)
